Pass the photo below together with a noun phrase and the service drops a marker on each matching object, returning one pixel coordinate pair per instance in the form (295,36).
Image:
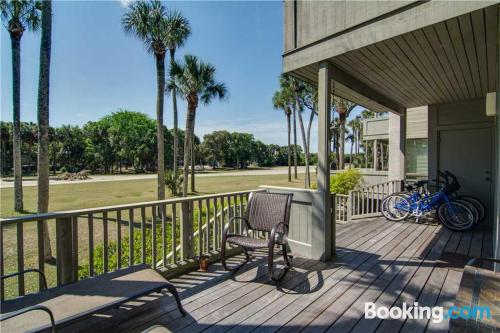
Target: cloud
(125,3)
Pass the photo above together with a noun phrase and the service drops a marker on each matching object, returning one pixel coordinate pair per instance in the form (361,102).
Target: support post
(187,250)
(375,154)
(64,246)
(397,139)
(496,218)
(323,230)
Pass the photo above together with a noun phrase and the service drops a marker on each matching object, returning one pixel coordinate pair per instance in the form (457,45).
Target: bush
(174,182)
(345,181)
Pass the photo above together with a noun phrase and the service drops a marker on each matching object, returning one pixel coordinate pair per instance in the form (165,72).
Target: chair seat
(247,242)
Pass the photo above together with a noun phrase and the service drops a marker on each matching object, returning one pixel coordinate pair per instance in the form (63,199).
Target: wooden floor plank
(377,261)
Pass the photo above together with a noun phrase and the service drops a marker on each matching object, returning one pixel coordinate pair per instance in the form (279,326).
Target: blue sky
(97,69)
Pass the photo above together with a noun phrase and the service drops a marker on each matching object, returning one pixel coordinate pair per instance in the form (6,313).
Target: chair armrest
(234,218)
(272,235)
(29,309)
(31,270)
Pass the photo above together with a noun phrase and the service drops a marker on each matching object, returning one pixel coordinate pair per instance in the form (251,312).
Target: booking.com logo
(436,313)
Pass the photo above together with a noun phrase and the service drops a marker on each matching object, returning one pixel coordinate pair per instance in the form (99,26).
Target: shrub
(345,181)
(174,182)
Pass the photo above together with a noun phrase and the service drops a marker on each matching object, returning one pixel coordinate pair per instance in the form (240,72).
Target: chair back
(265,210)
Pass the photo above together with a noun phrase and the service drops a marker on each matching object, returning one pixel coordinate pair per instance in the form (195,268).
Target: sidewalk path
(113,178)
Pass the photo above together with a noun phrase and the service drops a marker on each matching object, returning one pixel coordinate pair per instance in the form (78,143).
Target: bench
(69,303)
(479,287)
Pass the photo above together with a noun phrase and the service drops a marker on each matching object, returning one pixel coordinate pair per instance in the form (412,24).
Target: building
(393,56)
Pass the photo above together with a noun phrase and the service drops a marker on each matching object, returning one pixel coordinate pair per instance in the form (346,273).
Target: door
(468,154)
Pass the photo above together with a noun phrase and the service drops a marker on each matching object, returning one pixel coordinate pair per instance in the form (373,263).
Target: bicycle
(454,214)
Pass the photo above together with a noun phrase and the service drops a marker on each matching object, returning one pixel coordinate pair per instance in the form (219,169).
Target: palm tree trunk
(304,143)
(352,160)
(295,141)
(193,187)
(341,145)
(176,119)
(187,146)
(43,121)
(16,131)
(289,148)
(308,140)
(160,86)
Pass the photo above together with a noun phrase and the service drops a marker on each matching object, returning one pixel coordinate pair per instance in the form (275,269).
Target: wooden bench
(66,304)
(479,287)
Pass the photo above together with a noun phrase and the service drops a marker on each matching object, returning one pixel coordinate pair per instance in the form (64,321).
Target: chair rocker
(267,212)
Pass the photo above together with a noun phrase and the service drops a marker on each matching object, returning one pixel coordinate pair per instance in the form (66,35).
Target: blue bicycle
(454,214)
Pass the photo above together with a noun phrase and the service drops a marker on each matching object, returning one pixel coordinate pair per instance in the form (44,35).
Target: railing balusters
(200,227)
(90,221)
(2,285)
(41,254)
(222,223)
(74,247)
(118,239)
(20,258)
(153,237)
(131,237)
(207,229)
(241,213)
(216,223)
(164,234)
(212,218)
(174,233)
(105,240)
(143,234)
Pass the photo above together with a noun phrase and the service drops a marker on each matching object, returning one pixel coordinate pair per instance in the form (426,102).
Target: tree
(343,107)
(282,100)
(43,120)
(177,32)
(309,99)
(195,81)
(19,15)
(148,21)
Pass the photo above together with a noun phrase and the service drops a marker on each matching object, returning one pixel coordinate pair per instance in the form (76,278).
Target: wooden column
(323,230)
(64,247)
(375,154)
(397,140)
(496,218)
(187,230)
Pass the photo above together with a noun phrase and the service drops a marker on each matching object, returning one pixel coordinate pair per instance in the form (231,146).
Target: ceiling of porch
(449,61)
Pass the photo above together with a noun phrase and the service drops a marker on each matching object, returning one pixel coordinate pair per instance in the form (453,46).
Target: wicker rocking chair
(268,212)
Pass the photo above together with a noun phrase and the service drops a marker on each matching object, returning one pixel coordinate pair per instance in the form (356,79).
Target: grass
(98,194)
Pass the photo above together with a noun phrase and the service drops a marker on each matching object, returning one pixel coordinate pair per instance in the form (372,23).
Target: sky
(97,69)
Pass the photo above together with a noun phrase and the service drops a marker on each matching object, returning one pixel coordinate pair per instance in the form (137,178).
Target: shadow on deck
(377,261)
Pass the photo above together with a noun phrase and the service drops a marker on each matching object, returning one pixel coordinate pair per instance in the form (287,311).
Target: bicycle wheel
(472,208)
(481,208)
(455,215)
(395,207)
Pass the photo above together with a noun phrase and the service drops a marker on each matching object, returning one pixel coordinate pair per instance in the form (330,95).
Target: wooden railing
(366,201)
(164,234)
(341,207)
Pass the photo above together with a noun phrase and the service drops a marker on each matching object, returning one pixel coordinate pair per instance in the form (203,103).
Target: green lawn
(97,194)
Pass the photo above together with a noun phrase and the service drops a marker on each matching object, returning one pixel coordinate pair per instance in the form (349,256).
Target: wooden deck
(377,261)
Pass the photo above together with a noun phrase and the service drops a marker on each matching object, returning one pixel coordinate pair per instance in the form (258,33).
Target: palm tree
(19,15)
(309,99)
(43,120)
(148,21)
(178,31)
(343,108)
(281,101)
(195,81)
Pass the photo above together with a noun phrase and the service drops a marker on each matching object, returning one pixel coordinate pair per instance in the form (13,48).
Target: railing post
(186,230)
(349,206)
(64,246)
